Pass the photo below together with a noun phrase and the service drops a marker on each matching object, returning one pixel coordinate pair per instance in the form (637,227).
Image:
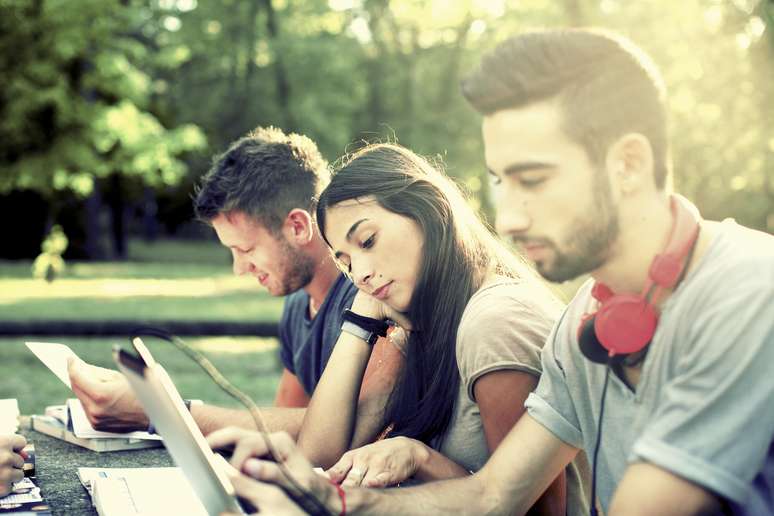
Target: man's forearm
(521,468)
(211,418)
(469,495)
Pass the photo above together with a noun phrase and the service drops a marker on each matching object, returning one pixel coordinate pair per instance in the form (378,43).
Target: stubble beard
(588,240)
(297,270)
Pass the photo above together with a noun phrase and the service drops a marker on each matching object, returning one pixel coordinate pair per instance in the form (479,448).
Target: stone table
(57,463)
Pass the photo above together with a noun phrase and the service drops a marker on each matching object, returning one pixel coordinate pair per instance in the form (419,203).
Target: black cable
(593,507)
(308,502)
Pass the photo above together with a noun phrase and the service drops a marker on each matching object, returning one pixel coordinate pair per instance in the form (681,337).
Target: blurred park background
(110,111)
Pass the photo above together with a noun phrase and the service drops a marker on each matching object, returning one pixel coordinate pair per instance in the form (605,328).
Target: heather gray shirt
(704,405)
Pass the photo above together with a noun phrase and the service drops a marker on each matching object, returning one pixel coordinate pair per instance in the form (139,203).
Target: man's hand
(258,472)
(10,461)
(106,397)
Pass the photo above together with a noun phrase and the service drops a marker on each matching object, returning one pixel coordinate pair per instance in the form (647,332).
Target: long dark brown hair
(459,251)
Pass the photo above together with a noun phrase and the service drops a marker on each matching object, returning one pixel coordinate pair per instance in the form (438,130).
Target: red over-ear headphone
(625,323)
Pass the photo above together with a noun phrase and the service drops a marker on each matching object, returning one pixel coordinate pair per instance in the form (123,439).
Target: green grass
(167,280)
(189,281)
(177,251)
(207,298)
(251,364)
(244,307)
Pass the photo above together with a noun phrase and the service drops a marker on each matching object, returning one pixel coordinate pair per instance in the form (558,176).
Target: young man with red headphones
(659,368)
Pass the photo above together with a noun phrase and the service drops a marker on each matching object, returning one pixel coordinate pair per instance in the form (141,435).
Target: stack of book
(69,423)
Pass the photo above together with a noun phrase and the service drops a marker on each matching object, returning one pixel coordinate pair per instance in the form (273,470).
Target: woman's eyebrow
(351,232)
(354,228)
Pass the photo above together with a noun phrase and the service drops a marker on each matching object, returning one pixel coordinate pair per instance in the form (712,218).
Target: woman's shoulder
(504,326)
(503,296)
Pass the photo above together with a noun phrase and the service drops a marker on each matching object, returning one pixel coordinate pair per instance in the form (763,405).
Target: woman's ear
(298,227)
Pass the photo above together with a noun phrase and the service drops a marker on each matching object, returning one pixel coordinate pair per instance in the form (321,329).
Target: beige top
(504,326)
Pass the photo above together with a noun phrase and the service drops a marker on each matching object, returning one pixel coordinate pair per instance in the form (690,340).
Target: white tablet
(182,437)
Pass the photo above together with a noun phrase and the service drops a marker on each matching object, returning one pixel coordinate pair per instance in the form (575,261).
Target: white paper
(9,416)
(55,357)
(24,491)
(146,491)
(82,427)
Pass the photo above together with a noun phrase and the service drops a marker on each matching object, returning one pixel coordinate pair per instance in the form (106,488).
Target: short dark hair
(605,86)
(264,174)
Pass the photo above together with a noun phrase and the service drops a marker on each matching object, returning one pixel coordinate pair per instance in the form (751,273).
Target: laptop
(162,403)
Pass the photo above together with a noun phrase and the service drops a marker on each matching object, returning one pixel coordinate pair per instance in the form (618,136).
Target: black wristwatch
(365,328)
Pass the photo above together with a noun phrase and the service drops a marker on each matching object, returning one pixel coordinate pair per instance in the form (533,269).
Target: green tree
(74,108)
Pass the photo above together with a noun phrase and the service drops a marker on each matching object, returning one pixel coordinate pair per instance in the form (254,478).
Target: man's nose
(512,219)
(241,265)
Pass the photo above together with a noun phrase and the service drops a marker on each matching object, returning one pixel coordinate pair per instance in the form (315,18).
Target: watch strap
(369,324)
(361,333)
(188,403)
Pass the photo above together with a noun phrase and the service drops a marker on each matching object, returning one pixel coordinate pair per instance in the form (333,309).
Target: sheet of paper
(82,427)
(9,416)
(55,357)
(24,491)
(141,491)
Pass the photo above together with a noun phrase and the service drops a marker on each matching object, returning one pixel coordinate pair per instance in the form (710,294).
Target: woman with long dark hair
(475,318)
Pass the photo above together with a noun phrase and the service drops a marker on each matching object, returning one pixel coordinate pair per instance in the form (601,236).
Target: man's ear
(630,163)
(298,227)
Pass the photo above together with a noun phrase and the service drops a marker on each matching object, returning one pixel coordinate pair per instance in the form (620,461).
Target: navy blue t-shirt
(306,345)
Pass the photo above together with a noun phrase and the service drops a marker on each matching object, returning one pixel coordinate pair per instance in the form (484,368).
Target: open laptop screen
(172,420)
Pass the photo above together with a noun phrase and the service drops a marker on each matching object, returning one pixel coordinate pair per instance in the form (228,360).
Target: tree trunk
(450,88)
(117,216)
(251,44)
(280,73)
(150,209)
(93,229)
(576,13)
(375,66)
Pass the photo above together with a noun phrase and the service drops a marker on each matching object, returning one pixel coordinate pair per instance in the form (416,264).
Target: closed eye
(368,242)
(344,266)
(531,182)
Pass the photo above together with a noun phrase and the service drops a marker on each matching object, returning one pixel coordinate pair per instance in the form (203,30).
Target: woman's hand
(368,306)
(380,464)
(11,461)
(261,478)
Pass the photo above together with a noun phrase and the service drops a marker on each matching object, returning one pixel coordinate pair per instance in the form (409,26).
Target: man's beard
(587,242)
(297,270)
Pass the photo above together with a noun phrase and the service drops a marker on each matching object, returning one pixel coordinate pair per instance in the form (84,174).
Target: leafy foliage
(92,87)
(76,100)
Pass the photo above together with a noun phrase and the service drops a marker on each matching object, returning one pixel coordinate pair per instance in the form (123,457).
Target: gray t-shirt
(703,408)
(504,326)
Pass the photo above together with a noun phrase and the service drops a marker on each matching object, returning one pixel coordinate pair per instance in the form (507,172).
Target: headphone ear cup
(589,343)
(625,324)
